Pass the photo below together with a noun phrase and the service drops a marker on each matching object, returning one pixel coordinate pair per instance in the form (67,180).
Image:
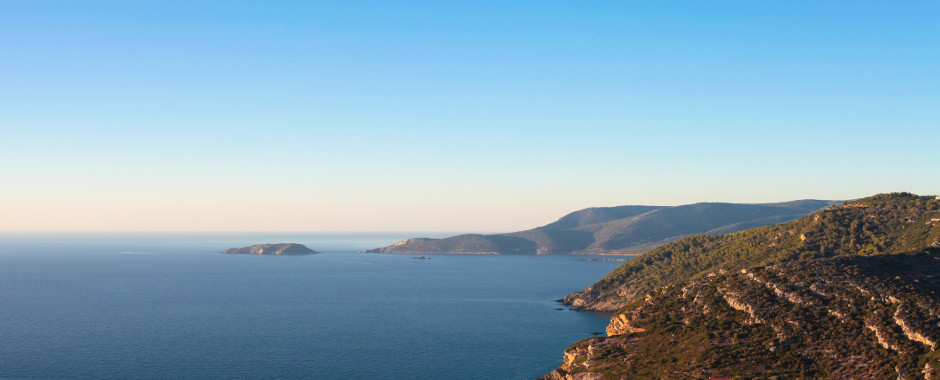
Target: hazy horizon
(430,116)
(438,232)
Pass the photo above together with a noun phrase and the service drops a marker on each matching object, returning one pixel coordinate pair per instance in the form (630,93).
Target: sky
(465,116)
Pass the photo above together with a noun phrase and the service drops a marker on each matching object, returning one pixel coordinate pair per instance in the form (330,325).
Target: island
(272,249)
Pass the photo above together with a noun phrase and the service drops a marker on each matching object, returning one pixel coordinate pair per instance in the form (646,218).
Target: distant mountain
(272,249)
(616,230)
(847,292)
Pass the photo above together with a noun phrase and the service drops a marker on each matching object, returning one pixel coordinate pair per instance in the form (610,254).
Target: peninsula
(272,249)
(846,292)
(621,230)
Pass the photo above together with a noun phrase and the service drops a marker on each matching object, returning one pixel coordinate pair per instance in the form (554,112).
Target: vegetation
(842,317)
(847,292)
(882,224)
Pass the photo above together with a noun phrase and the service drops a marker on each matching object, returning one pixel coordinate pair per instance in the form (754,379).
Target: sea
(170,305)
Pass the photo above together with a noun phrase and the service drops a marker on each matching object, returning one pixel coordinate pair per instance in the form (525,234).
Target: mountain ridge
(614,230)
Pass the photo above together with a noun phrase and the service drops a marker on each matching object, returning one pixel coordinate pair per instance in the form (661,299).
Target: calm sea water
(170,306)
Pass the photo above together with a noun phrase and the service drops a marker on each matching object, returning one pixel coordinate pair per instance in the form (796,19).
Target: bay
(168,305)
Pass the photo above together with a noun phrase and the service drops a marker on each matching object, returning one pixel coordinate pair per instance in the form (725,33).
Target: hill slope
(615,230)
(856,317)
(848,292)
(889,223)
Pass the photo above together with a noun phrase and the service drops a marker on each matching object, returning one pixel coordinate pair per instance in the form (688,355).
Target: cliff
(272,249)
(615,230)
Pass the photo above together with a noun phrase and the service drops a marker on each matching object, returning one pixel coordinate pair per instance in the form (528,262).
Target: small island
(273,249)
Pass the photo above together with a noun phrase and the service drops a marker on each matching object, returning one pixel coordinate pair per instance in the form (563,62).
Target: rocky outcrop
(272,249)
(559,374)
(620,325)
(584,361)
(589,299)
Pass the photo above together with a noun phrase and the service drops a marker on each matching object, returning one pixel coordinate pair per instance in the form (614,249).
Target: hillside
(891,223)
(615,230)
(848,292)
(850,317)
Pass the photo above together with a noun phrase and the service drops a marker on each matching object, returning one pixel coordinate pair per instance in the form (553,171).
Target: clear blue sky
(453,115)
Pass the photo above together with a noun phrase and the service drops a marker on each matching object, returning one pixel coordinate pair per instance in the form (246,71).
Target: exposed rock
(913,333)
(736,302)
(272,249)
(559,374)
(619,325)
